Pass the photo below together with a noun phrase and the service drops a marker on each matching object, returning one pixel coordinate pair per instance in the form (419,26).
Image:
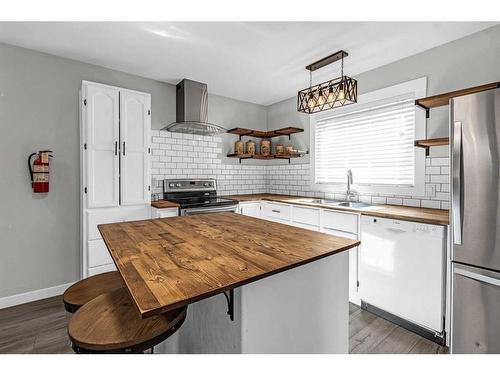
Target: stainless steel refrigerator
(475,213)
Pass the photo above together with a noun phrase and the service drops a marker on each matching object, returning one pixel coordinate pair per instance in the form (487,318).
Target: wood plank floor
(40,327)
(370,334)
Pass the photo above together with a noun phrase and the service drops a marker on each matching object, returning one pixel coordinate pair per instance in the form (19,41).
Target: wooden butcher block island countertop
(168,263)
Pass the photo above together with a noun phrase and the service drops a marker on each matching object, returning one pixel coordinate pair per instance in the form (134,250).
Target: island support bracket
(230,303)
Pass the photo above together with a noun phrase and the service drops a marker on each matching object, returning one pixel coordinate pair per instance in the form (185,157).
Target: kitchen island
(290,285)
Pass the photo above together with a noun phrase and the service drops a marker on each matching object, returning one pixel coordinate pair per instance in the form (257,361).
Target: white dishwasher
(402,273)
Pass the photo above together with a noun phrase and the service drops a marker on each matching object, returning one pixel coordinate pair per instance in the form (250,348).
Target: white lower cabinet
(98,254)
(160,213)
(95,255)
(101,269)
(278,212)
(343,224)
(306,217)
(250,209)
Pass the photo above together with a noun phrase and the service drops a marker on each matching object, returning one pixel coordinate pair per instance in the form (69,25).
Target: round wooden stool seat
(87,289)
(111,323)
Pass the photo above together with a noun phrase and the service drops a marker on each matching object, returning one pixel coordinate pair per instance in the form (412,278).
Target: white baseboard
(35,295)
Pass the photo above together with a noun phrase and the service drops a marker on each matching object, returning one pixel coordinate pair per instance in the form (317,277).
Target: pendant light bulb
(321,98)
(311,103)
(341,90)
(330,98)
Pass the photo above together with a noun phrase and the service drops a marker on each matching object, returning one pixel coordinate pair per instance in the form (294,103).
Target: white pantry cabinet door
(135,124)
(101,129)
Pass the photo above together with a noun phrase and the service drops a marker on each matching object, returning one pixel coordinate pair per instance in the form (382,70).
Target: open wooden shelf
(265,157)
(444,99)
(240,156)
(427,143)
(265,134)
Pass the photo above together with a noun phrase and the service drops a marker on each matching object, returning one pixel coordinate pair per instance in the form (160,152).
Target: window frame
(417,88)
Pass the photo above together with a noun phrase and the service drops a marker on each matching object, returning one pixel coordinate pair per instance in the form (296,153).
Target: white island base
(302,310)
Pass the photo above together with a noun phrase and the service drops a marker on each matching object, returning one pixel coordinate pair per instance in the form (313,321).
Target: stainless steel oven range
(197,196)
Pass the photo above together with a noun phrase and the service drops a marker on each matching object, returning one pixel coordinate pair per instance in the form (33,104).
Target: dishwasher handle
(396,230)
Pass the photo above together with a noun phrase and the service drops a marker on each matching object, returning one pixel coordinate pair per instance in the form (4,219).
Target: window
(375,139)
(377,144)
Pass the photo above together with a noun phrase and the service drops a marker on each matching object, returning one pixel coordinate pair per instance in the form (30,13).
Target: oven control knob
(206,184)
(171,184)
(178,184)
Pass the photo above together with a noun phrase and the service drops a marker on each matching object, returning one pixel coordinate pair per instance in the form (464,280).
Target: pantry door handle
(116,147)
(124,148)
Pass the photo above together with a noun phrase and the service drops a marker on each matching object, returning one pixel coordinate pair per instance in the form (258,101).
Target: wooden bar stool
(87,289)
(110,323)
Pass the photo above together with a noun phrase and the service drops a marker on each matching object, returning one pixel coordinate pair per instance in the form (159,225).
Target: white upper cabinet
(135,124)
(101,131)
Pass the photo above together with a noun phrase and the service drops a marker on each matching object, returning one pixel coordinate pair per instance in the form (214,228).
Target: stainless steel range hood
(192,110)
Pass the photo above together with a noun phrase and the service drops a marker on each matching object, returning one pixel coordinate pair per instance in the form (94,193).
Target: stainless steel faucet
(351,193)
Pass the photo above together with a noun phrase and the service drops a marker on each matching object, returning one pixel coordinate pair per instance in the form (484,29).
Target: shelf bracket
(230,303)
(427,109)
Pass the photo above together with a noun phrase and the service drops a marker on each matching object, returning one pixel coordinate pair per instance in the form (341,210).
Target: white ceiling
(259,62)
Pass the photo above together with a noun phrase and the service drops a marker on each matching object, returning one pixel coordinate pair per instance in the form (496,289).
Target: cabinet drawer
(305,215)
(164,212)
(277,211)
(94,218)
(339,221)
(98,254)
(101,269)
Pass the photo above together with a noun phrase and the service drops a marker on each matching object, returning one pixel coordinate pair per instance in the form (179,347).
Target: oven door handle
(189,211)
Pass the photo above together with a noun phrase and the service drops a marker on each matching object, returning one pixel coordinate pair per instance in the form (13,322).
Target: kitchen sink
(334,203)
(353,204)
(318,201)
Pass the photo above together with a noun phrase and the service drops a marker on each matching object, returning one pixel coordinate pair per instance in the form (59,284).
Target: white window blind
(376,143)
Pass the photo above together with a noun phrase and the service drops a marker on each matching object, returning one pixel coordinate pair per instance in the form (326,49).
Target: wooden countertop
(164,204)
(168,263)
(421,215)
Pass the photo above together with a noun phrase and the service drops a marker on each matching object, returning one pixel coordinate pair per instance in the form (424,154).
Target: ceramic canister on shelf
(238,147)
(265,147)
(250,146)
(280,149)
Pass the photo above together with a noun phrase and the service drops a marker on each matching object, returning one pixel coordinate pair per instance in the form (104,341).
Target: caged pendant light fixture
(330,94)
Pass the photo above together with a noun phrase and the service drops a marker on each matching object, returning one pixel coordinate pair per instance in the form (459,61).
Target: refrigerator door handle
(457,183)
(477,276)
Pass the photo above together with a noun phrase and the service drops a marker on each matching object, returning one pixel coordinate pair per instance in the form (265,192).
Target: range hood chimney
(192,110)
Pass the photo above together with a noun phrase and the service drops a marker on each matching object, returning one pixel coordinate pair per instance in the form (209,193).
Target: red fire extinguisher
(39,171)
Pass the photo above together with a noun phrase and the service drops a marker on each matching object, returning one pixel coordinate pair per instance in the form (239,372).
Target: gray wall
(466,62)
(231,113)
(39,233)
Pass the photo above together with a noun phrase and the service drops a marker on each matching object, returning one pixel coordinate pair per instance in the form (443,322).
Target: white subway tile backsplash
(176,155)
(443,179)
(440,161)
(411,202)
(430,204)
(396,201)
